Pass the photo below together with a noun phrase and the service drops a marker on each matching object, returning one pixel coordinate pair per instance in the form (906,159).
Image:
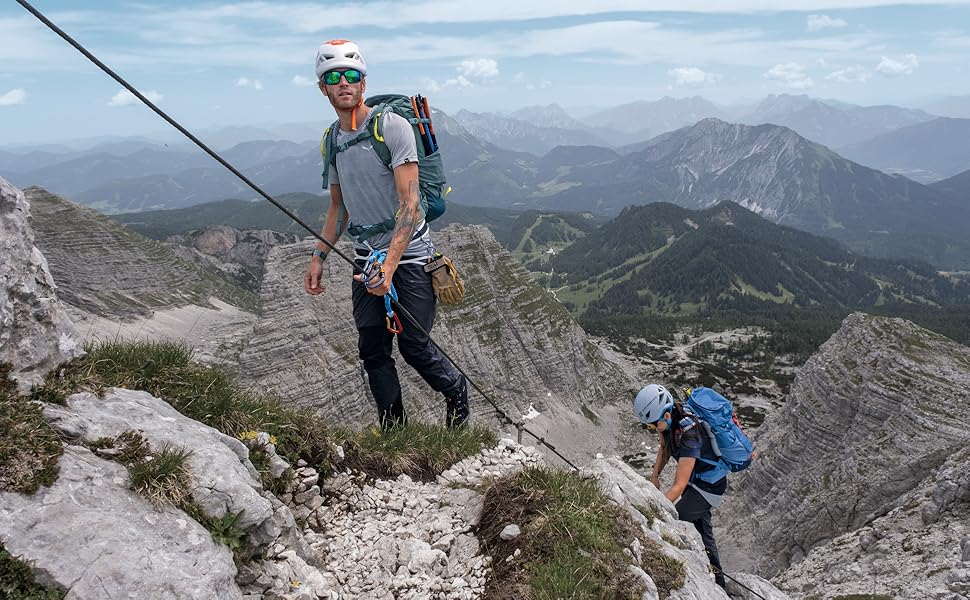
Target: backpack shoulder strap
(377,131)
(328,151)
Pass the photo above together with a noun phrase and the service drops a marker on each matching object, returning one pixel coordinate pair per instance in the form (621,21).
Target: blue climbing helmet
(652,402)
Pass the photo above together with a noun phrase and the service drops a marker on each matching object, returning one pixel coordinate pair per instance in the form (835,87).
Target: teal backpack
(719,421)
(431,181)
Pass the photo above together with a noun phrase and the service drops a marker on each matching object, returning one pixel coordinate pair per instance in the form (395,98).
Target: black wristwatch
(320,253)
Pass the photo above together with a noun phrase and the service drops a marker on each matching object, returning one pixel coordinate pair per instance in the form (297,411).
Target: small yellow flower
(295,583)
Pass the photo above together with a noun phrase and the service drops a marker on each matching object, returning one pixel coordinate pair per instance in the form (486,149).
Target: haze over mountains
(781,168)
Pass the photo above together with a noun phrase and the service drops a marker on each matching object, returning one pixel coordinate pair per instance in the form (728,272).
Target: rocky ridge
(871,445)
(107,270)
(36,333)
(513,338)
(237,254)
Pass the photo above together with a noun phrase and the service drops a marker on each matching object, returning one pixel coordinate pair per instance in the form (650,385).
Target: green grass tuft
(29,448)
(667,572)
(17,581)
(209,395)
(572,538)
(163,478)
(651,512)
(419,450)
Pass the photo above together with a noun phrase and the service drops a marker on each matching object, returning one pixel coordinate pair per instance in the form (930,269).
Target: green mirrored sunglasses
(351,75)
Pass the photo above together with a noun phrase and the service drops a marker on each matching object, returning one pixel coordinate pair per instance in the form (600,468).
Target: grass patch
(572,538)
(223,529)
(421,451)
(17,581)
(651,512)
(667,572)
(673,541)
(163,478)
(29,448)
(209,395)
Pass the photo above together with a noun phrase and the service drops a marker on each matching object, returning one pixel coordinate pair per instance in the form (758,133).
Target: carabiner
(394,323)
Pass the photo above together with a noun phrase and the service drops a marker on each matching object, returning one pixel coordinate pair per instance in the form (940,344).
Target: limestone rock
(864,475)
(509,334)
(224,479)
(36,333)
(90,535)
(510,532)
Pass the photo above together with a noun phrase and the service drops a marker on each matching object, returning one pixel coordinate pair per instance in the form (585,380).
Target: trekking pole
(400,308)
(424,131)
(427,113)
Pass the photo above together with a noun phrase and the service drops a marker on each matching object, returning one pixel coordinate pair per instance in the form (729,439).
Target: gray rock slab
(91,535)
(224,479)
(36,333)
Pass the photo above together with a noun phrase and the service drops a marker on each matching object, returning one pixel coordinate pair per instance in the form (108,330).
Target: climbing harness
(374,277)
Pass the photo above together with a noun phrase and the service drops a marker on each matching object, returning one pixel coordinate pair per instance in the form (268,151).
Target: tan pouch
(448,286)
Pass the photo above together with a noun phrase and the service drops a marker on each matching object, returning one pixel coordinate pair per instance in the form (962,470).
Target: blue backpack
(718,419)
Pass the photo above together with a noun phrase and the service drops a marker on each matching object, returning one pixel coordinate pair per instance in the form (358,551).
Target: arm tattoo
(407,218)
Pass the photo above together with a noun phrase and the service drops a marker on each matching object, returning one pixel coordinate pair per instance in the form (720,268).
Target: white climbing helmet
(652,402)
(339,54)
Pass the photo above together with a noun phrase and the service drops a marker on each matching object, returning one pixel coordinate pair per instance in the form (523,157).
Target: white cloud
(14,96)
(541,85)
(692,76)
(247,82)
(854,74)
(126,98)
(791,74)
(482,68)
(893,68)
(302,81)
(309,17)
(820,22)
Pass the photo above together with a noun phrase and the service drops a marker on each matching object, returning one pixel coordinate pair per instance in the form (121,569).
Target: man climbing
(700,485)
(365,190)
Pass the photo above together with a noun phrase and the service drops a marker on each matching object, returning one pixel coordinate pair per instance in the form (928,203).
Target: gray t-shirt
(367,186)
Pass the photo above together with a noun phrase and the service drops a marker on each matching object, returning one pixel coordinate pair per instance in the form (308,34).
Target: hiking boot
(457,407)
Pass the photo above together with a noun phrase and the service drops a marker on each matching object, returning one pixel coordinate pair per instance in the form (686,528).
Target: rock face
(919,549)
(223,478)
(110,271)
(92,536)
(117,284)
(509,335)
(129,545)
(676,539)
(874,430)
(35,332)
(238,254)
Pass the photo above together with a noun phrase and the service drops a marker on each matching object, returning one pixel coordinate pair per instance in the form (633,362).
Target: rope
(414,323)
(716,570)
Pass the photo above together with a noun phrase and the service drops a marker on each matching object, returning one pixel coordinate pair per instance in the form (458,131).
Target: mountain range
(664,259)
(926,152)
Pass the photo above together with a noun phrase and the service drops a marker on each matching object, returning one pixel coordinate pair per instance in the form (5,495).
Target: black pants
(693,508)
(374,342)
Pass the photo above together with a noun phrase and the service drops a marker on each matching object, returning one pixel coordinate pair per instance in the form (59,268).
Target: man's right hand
(312,283)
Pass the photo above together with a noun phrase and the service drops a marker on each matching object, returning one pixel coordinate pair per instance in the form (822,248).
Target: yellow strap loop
(377,136)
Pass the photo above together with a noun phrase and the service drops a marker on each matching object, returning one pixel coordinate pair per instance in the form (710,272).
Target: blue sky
(251,63)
